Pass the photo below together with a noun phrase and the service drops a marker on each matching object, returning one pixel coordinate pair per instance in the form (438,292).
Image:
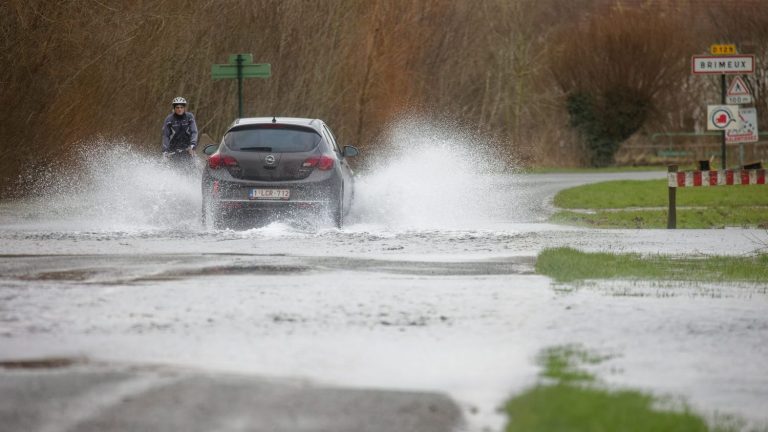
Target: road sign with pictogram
(738,92)
(722,117)
(747,130)
(725,61)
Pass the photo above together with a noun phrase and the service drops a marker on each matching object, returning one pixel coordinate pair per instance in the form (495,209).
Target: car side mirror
(210,149)
(350,151)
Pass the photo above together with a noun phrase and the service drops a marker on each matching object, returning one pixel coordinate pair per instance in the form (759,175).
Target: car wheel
(212,217)
(220,218)
(204,216)
(337,214)
(219,222)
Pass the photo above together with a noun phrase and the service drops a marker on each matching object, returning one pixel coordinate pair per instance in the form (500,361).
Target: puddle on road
(42,363)
(666,289)
(509,266)
(468,335)
(223,270)
(128,269)
(79,275)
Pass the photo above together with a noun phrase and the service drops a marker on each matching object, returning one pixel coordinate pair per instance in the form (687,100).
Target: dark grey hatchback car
(267,168)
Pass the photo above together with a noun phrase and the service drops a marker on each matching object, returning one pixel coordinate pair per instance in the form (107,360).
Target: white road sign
(738,92)
(747,132)
(732,64)
(738,100)
(722,117)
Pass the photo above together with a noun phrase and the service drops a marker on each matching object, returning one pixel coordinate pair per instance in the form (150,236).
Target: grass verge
(613,169)
(700,218)
(569,400)
(568,265)
(654,193)
(624,204)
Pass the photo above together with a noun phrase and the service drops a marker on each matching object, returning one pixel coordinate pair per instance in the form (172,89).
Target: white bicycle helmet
(178,100)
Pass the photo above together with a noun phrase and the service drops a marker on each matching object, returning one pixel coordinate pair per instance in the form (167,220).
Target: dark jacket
(179,132)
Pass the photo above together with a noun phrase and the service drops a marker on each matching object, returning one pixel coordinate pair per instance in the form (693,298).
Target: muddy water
(430,286)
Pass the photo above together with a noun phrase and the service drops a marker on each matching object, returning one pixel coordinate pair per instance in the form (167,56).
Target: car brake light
(217,161)
(323,162)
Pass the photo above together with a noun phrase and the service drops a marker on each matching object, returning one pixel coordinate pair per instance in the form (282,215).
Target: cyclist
(179,131)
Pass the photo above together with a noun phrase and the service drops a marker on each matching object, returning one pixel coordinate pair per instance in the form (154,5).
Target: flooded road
(424,290)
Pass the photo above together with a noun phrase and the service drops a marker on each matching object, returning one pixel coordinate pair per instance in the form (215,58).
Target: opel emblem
(269,160)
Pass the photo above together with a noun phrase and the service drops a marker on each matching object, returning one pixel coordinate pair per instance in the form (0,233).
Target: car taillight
(323,162)
(217,161)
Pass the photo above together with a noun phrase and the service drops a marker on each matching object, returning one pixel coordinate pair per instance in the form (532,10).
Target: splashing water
(432,177)
(436,177)
(114,188)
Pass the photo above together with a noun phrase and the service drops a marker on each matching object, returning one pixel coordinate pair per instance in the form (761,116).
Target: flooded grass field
(430,286)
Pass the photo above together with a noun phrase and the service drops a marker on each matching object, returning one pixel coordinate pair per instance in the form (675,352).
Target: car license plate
(270,194)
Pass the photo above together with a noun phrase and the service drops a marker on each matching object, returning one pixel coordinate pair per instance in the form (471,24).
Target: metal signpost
(240,66)
(730,64)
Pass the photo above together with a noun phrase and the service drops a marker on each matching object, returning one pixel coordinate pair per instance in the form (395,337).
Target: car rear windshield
(272,138)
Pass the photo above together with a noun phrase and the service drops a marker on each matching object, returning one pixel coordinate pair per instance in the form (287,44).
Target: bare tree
(613,67)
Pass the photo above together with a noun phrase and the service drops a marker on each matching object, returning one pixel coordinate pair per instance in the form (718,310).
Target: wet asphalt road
(381,326)
(109,397)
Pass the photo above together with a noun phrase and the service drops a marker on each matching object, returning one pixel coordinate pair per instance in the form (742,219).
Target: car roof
(295,121)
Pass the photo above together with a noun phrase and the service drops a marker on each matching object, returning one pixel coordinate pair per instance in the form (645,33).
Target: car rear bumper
(270,205)
(247,214)
(321,191)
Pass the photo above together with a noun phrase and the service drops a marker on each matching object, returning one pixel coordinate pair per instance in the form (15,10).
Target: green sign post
(240,66)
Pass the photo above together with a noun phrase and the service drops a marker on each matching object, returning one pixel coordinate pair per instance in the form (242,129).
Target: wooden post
(672,212)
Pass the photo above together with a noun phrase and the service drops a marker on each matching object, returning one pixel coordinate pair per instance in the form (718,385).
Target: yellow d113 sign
(722,49)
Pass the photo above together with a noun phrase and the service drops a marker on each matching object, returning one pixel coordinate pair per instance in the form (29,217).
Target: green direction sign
(229,71)
(240,66)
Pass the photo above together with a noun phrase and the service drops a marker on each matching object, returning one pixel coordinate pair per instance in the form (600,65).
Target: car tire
(337,214)
(219,218)
(205,212)
(207,217)
(211,215)
(219,223)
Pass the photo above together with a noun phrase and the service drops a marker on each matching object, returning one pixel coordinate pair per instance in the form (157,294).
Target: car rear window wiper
(264,149)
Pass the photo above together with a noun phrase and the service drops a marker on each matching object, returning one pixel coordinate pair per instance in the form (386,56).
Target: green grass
(654,193)
(568,265)
(548,170)
(629,202)
(569,400)
(561,363)
(715,217)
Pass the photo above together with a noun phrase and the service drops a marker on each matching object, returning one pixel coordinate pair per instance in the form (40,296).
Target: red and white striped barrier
(716,178)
